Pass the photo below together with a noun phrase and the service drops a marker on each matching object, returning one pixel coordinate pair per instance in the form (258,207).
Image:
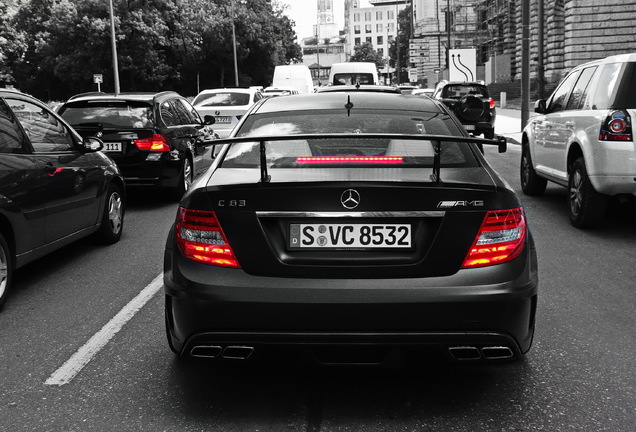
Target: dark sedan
(151,136)
(55,187)
(351,224)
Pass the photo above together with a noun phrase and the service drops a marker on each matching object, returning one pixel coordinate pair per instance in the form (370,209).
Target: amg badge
(449,204)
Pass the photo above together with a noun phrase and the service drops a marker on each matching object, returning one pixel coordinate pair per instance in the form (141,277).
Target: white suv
(582,138)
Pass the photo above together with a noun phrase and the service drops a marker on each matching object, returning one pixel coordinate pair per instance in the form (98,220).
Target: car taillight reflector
(238,117)
(156,142)
(491,103)
(616,127)
(349,159)
(500,238)
(201,239)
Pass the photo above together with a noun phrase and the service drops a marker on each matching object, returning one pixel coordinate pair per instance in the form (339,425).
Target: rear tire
(531,183)
(586,207)
(112,217)
(6,270)
(186,177)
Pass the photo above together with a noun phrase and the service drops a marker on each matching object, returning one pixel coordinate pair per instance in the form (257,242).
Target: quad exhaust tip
(467,353)
(232,352)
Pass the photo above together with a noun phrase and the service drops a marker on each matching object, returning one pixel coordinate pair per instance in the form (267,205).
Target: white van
(352,73)
(296,76)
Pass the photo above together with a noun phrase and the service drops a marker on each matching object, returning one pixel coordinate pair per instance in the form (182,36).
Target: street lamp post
(236,76)
(114,45)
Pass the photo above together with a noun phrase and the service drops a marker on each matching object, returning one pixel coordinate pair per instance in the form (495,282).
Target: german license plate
(112,147)
(469,127)
(223,119)
(344,236)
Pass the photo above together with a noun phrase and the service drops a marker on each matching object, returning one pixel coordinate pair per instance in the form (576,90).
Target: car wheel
(112,217)
(6,270)
(186,178)
(586,207)
(531,183)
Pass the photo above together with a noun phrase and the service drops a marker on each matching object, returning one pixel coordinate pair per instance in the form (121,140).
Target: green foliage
(404,33)
(365,53)
(52,48)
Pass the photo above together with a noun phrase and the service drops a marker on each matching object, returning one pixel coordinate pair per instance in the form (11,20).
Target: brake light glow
(156,142)
(491,103)
(349,159)
(500,238)
(616,127)
(201,239)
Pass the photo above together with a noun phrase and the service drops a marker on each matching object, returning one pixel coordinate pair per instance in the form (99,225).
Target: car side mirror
(539,106)
(503,144)
(92,144)
(209,120)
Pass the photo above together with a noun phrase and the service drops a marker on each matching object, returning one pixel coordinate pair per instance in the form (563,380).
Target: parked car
(347,221)
(407,88)
(151,136)
(55,186)
(471,103)
(583,139)
(274,91)
(226,105)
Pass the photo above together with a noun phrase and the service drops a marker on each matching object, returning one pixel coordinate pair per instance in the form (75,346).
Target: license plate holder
(358,236)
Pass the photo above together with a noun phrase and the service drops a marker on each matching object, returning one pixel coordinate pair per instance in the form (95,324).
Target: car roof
(126,96)
(360,88)
(229,89)
(359,99)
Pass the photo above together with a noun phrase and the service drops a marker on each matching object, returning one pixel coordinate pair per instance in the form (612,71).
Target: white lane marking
(85,354)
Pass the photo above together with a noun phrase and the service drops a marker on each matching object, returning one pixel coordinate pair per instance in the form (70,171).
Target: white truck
(351,73)
(296,76)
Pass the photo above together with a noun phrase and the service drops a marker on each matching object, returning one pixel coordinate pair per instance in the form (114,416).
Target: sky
(304,13)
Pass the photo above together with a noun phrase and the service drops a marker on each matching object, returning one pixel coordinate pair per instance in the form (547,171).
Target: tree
(403,35)
(365,53)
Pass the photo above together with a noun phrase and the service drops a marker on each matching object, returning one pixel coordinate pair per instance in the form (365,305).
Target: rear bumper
(478,307)
(164,172)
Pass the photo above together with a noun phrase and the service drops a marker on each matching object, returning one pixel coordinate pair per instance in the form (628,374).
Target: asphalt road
(579,376)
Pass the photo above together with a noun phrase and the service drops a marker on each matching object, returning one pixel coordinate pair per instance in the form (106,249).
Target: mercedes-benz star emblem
(350,199)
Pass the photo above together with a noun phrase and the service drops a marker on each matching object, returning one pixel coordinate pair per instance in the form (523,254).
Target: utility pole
(397,45)
(540,71)
(114,45)
(236,76)
(525,62)
(318,46)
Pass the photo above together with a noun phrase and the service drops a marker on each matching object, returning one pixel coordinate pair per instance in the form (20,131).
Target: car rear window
(625,94)
(307,152)
(352,78)
(222,99)
(116,114)
(458,91)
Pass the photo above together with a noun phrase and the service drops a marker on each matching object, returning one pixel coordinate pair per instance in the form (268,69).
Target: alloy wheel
(115,211)
(576,194)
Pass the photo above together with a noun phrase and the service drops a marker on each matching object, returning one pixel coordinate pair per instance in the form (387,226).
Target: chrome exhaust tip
(206,351)
(237,352)
(464,353)
(496,352)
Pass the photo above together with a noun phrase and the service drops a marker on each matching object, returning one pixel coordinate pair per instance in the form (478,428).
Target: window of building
(381,51)
(378,28)
(357,41)
(367,16)
(378,15)
(367,28)
(380,40)
(390,14)
(369,39)
(356,17)
(356,29)
(391,26)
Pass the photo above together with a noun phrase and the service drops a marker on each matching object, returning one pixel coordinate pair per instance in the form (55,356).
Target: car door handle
(569,125)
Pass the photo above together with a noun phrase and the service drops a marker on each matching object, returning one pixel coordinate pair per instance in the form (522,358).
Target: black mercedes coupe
(351,225)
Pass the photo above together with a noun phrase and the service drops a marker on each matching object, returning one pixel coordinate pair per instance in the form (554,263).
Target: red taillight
(616,127)
(157,142)
(238,117)
(491,103)
(500,238)
(201,239)
(349,159)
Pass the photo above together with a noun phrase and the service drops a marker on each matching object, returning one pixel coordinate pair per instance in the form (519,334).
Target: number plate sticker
(346,236)
(223,119)
(112,147)
(469,127)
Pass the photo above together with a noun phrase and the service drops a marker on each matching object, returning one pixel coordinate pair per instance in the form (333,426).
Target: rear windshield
(120,114)
(352,78)
(616,88)
(222,99)
(353,151)
(461,90)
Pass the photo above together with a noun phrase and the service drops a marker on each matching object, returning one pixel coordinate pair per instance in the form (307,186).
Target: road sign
(463,65)
(98,78)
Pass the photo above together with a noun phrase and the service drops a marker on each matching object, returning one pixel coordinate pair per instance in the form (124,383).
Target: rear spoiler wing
(500,142)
